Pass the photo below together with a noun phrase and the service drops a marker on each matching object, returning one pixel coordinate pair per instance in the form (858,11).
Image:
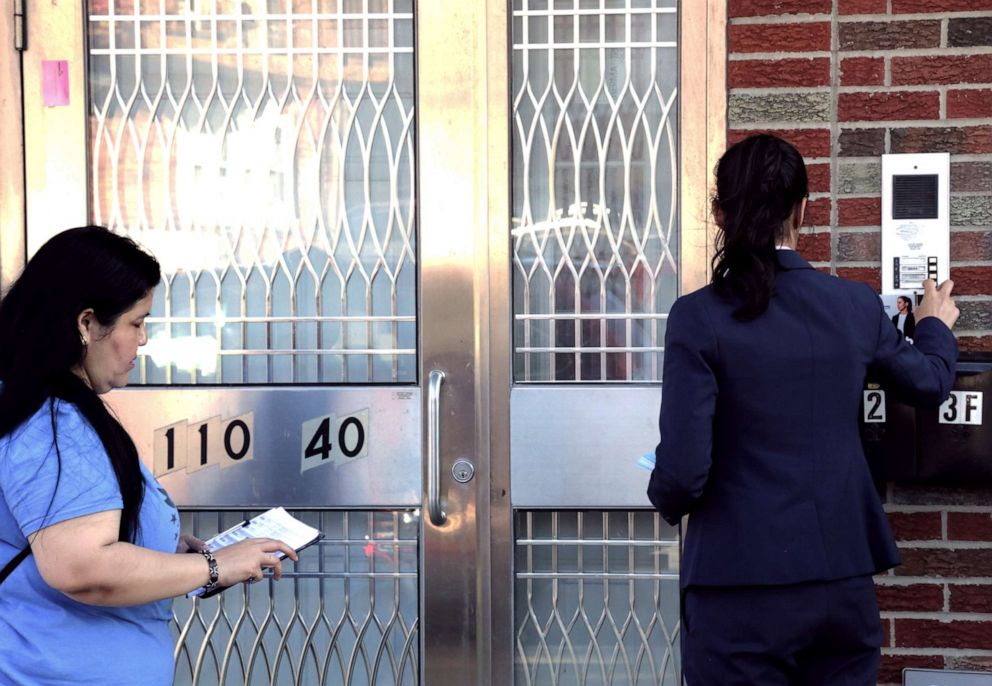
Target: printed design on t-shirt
(172,506)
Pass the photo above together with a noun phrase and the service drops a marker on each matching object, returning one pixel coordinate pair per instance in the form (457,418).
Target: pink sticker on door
(55,82)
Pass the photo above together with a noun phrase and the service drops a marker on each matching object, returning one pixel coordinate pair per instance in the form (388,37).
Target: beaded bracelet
(214,573)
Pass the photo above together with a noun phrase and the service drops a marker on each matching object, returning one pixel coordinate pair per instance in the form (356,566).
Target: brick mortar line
(931,544)
(859,124)
(865,160)
(803,18)
(954,194)
(915,88)
(936,652)
(888,53)
(817,90)
(884,53)
(913,16)
(865,228)
(771,56)
(935,581)
(834,135)
(877,263)
(946,543)
(807,18)
(902,582)
(911,509)
(791,126)
(943,617)
(892,632)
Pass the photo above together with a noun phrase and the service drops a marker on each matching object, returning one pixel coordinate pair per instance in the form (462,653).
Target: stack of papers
(275,523)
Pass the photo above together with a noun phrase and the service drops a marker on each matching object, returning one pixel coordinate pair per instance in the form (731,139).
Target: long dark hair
(40,343)
(760,183)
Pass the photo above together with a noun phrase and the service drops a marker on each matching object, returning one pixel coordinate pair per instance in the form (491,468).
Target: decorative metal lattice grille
(595,241)
(596,599)
(264,151)
(345,614)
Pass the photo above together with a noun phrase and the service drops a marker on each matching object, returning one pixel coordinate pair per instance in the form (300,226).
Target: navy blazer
(759,428)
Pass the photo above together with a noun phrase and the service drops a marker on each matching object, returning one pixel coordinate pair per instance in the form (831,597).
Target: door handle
(434,510)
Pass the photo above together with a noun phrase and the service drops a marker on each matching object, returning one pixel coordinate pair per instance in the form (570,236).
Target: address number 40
(334,440)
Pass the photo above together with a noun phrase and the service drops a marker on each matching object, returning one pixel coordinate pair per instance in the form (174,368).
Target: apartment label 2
(874,406)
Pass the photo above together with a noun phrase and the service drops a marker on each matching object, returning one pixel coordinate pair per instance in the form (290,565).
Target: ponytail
(761,183)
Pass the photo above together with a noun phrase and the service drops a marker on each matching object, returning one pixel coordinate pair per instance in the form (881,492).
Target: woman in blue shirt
(88,539)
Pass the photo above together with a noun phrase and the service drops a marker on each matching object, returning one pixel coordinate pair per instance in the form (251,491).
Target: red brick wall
(846,81)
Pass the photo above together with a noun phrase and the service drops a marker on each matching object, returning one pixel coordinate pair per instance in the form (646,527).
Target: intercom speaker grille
(914,196)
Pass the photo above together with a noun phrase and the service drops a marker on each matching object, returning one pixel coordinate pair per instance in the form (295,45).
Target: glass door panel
(598,230)
(595,162)
(264,151)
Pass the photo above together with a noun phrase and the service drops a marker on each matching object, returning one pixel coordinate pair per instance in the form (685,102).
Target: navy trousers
(823,632)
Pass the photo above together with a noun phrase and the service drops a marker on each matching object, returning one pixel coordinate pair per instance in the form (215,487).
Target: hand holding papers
(275,523)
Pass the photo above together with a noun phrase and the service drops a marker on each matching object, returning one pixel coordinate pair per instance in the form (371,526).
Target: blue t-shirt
(45,636)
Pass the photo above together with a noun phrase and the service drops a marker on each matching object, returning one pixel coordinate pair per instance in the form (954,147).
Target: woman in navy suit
(763,376)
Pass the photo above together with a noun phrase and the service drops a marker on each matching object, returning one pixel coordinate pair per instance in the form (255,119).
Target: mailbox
(888,434)
(955,443)
(950,444)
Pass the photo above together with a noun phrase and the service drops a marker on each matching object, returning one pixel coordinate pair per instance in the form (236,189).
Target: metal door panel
(384,470)
(579,447)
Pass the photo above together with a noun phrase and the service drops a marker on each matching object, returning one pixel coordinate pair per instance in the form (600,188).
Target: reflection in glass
(595,239)
(264,151)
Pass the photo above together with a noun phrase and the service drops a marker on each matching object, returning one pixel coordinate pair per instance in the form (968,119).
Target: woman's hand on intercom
(937,302)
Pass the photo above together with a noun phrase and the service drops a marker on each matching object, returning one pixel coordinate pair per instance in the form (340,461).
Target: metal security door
(617,118)
(282,161)
(421,256)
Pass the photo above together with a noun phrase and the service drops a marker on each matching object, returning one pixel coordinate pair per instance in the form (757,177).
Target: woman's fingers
(937,302)
(247,560)
(271,545)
